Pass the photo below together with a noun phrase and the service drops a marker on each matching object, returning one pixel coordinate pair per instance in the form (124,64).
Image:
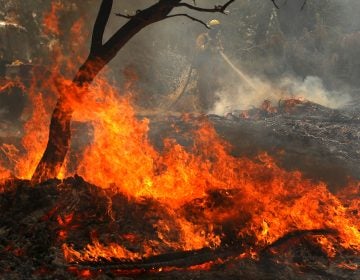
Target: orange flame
(268,201)
(4,174)
(276,201)
(51,20)
(98,251)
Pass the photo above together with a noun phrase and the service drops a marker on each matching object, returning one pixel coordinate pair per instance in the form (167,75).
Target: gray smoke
(309,53)
(241,97)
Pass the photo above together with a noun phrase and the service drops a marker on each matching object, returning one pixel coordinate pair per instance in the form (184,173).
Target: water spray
(241,74)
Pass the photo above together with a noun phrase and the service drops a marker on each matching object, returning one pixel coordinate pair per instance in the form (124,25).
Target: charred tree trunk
(60,130)
(101,54)
(60,133)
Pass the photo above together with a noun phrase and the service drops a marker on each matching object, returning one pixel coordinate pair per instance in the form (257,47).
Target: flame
(51,19)
(42,94)
(4,174)
(276,201)
(34,141)
(327,246)
(267,202)
(288,105)
(207,265)
(349,266)
(7,84)
(96,251)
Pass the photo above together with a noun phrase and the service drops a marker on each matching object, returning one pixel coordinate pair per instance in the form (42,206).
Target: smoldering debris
(299,133)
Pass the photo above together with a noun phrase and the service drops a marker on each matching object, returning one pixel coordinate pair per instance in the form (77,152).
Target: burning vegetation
(111,202)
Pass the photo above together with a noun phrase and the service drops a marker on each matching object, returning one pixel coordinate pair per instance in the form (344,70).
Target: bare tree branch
(216,9)
(100,25)
(190,17)
(124,16)
(303,5)
(276,5)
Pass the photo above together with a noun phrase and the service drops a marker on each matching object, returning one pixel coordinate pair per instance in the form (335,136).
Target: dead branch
(276,5)
(216,9)
(124,16)
(303,5)
(190,17)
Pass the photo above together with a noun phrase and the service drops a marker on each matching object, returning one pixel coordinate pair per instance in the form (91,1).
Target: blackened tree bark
(101,54)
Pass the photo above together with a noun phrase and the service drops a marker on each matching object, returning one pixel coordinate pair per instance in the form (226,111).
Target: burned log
(183,259)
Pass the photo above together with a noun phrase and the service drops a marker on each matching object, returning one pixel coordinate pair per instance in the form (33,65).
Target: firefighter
(211,39)
(204,72)
(206,65)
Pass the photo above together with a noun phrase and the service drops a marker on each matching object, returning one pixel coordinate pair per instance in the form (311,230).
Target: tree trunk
(100,54)
(60,130)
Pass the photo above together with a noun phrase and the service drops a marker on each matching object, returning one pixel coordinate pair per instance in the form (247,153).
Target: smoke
(249,91)
(309,53)
(161,53)
(289,53)
(313,89)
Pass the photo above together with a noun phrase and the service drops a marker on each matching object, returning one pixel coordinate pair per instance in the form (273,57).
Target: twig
(276,5)
(124,16)
(190,17)
(303,5)
(216,9)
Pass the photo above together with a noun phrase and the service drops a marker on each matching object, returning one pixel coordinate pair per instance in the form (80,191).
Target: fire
(97,251)
(289,104)
(327,246)
(9,84)
(51,20)
(34,141)
(275,201)
(42,98)
(206,266)
(4,173)
(349,266)
(265,202)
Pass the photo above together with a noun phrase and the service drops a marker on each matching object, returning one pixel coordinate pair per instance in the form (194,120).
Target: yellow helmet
(214,22)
